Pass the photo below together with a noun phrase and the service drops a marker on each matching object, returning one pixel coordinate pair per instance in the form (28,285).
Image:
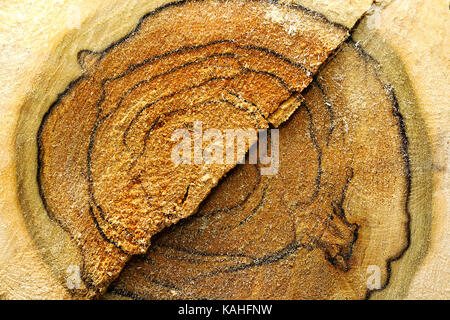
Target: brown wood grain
(312,230)
(363,181)
(105,169)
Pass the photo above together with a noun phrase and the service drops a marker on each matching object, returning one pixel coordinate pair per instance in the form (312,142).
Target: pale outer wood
(418,32)
(30,30)
(345,12)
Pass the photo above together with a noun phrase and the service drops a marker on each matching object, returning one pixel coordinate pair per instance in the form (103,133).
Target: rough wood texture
(43,44)
(312,230)
(415,60)
(109,180)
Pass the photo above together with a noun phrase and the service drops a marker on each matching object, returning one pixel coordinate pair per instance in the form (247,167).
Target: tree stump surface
(92,204)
